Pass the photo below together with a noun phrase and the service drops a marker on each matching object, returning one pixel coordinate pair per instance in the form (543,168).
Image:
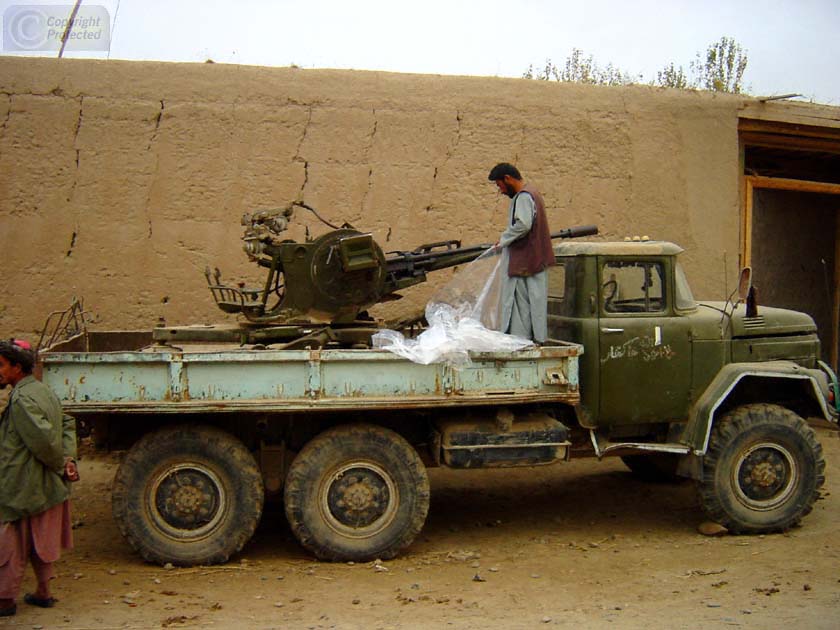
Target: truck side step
(603,446)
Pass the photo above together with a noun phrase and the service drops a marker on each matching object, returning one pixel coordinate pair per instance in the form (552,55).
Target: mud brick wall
(121,181)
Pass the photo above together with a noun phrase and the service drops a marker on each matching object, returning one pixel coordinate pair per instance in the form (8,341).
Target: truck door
(644,345)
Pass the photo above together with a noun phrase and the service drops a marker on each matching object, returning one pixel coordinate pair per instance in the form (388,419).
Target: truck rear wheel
(188,495)
(763,470)
(357,493)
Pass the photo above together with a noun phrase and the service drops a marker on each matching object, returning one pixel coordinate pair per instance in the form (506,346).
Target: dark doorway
(794,259)
(791,230)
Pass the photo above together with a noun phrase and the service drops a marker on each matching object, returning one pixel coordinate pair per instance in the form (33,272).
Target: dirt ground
(582,544)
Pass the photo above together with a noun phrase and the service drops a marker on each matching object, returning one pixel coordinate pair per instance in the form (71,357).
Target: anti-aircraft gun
(318,292)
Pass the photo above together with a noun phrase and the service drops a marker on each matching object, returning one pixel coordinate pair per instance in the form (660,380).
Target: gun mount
(334,278)
(316,293)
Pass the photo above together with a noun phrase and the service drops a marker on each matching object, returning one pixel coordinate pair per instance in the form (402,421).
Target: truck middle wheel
(356,492)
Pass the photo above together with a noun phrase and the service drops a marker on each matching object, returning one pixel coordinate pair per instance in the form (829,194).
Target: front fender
(699,425)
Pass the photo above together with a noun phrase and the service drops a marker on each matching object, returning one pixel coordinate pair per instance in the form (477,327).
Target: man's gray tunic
(523,307)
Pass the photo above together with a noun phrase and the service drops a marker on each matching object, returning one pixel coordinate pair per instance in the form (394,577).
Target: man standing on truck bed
(526,254)
(37,447)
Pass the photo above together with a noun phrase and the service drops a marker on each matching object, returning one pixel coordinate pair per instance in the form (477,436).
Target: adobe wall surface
(121,181)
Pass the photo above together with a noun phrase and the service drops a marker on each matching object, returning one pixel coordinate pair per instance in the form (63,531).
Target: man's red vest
(532,253)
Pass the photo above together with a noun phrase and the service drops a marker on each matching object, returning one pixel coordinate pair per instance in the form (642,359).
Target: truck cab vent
(751,323)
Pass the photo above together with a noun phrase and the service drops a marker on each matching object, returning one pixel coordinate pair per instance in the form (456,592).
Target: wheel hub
(765,476)
(187,501)
(359,499)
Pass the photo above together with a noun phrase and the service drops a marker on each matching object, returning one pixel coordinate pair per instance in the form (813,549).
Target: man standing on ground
(37,447)
(527,253)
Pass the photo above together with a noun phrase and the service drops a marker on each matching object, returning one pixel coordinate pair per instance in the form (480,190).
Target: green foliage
(720,70)
(672,77)
(580,69)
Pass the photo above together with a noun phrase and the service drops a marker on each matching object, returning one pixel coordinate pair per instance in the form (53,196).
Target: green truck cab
(715,391)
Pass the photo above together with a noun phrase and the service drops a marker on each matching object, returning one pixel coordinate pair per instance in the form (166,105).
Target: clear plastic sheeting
(463,317)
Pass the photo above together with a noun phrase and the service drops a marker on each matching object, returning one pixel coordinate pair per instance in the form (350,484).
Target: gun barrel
(576,232)
(426,258)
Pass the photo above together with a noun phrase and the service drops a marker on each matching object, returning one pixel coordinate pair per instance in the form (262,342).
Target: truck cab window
(561,288)
(557,281)
(684,298)
(632,287)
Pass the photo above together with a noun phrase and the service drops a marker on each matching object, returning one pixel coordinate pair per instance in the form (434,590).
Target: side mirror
(744,283)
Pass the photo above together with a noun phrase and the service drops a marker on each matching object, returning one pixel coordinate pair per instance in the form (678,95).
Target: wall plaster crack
(76,129)
(363,202)
(157,125)
(297,157)
(153,140)
(72,243)
(305,181)
(8,115)
(372,133)
(79,120)
(368,149)
(78,153)
(450,150)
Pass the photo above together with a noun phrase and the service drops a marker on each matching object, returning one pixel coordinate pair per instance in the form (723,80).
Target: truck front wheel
(763,470)
(358,493)
(188,495)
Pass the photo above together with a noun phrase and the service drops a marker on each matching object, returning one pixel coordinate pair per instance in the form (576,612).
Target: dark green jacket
(35,437)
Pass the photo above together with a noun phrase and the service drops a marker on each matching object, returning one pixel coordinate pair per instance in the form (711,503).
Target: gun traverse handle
(576,232)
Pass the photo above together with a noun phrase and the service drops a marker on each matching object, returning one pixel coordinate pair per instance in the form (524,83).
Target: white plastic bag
(462,317)
(474,291)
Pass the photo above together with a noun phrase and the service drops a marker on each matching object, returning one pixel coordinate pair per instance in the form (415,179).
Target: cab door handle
(612,330)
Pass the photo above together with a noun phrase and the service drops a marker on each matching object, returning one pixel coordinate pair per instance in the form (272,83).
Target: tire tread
(127,503)
(727,429)
(308,465)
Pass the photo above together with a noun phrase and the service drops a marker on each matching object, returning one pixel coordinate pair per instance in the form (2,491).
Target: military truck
(217,419)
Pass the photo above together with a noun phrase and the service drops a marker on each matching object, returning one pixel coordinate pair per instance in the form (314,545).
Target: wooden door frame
(751,182)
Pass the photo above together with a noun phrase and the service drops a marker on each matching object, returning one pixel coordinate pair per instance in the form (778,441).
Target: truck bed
(126,372)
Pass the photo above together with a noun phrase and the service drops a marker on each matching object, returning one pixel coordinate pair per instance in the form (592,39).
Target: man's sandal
(41,602)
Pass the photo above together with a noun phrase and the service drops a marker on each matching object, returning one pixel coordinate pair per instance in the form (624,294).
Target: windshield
(685,299)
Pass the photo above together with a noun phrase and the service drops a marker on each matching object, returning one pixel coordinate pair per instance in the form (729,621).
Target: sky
(792,46)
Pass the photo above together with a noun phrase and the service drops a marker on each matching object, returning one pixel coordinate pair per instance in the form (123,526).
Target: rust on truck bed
(127,373)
